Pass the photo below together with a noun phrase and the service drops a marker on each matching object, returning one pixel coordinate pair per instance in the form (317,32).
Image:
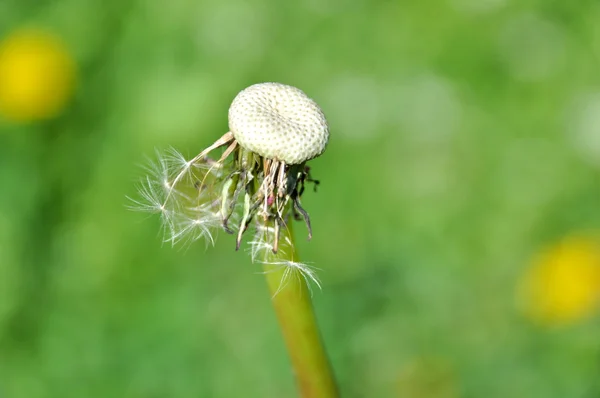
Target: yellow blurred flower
(563,283)
(37,76)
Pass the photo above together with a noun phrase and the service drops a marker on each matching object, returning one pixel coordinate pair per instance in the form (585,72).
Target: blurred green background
(465,140)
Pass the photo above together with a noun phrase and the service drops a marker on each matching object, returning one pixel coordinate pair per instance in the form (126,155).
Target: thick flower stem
(293,305)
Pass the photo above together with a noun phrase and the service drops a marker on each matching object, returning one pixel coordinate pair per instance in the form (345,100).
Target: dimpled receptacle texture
(278,122)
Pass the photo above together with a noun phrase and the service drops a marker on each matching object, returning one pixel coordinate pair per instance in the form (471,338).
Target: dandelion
(254,183)
(37,76)
(563,283)
(274,130)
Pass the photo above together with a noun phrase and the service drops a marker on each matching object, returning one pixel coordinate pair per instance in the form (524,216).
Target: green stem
(292,301)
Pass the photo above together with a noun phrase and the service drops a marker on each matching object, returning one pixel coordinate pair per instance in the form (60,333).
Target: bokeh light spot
(355,107)
(584,128)
(533,48)
(428,108)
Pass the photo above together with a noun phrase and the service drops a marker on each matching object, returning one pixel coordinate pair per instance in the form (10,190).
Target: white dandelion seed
(191,229)
(294,269)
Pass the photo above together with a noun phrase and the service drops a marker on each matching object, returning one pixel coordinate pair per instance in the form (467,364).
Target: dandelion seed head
(278,121)
(274,130)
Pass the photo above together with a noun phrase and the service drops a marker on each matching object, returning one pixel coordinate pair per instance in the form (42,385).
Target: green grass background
(464,136)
